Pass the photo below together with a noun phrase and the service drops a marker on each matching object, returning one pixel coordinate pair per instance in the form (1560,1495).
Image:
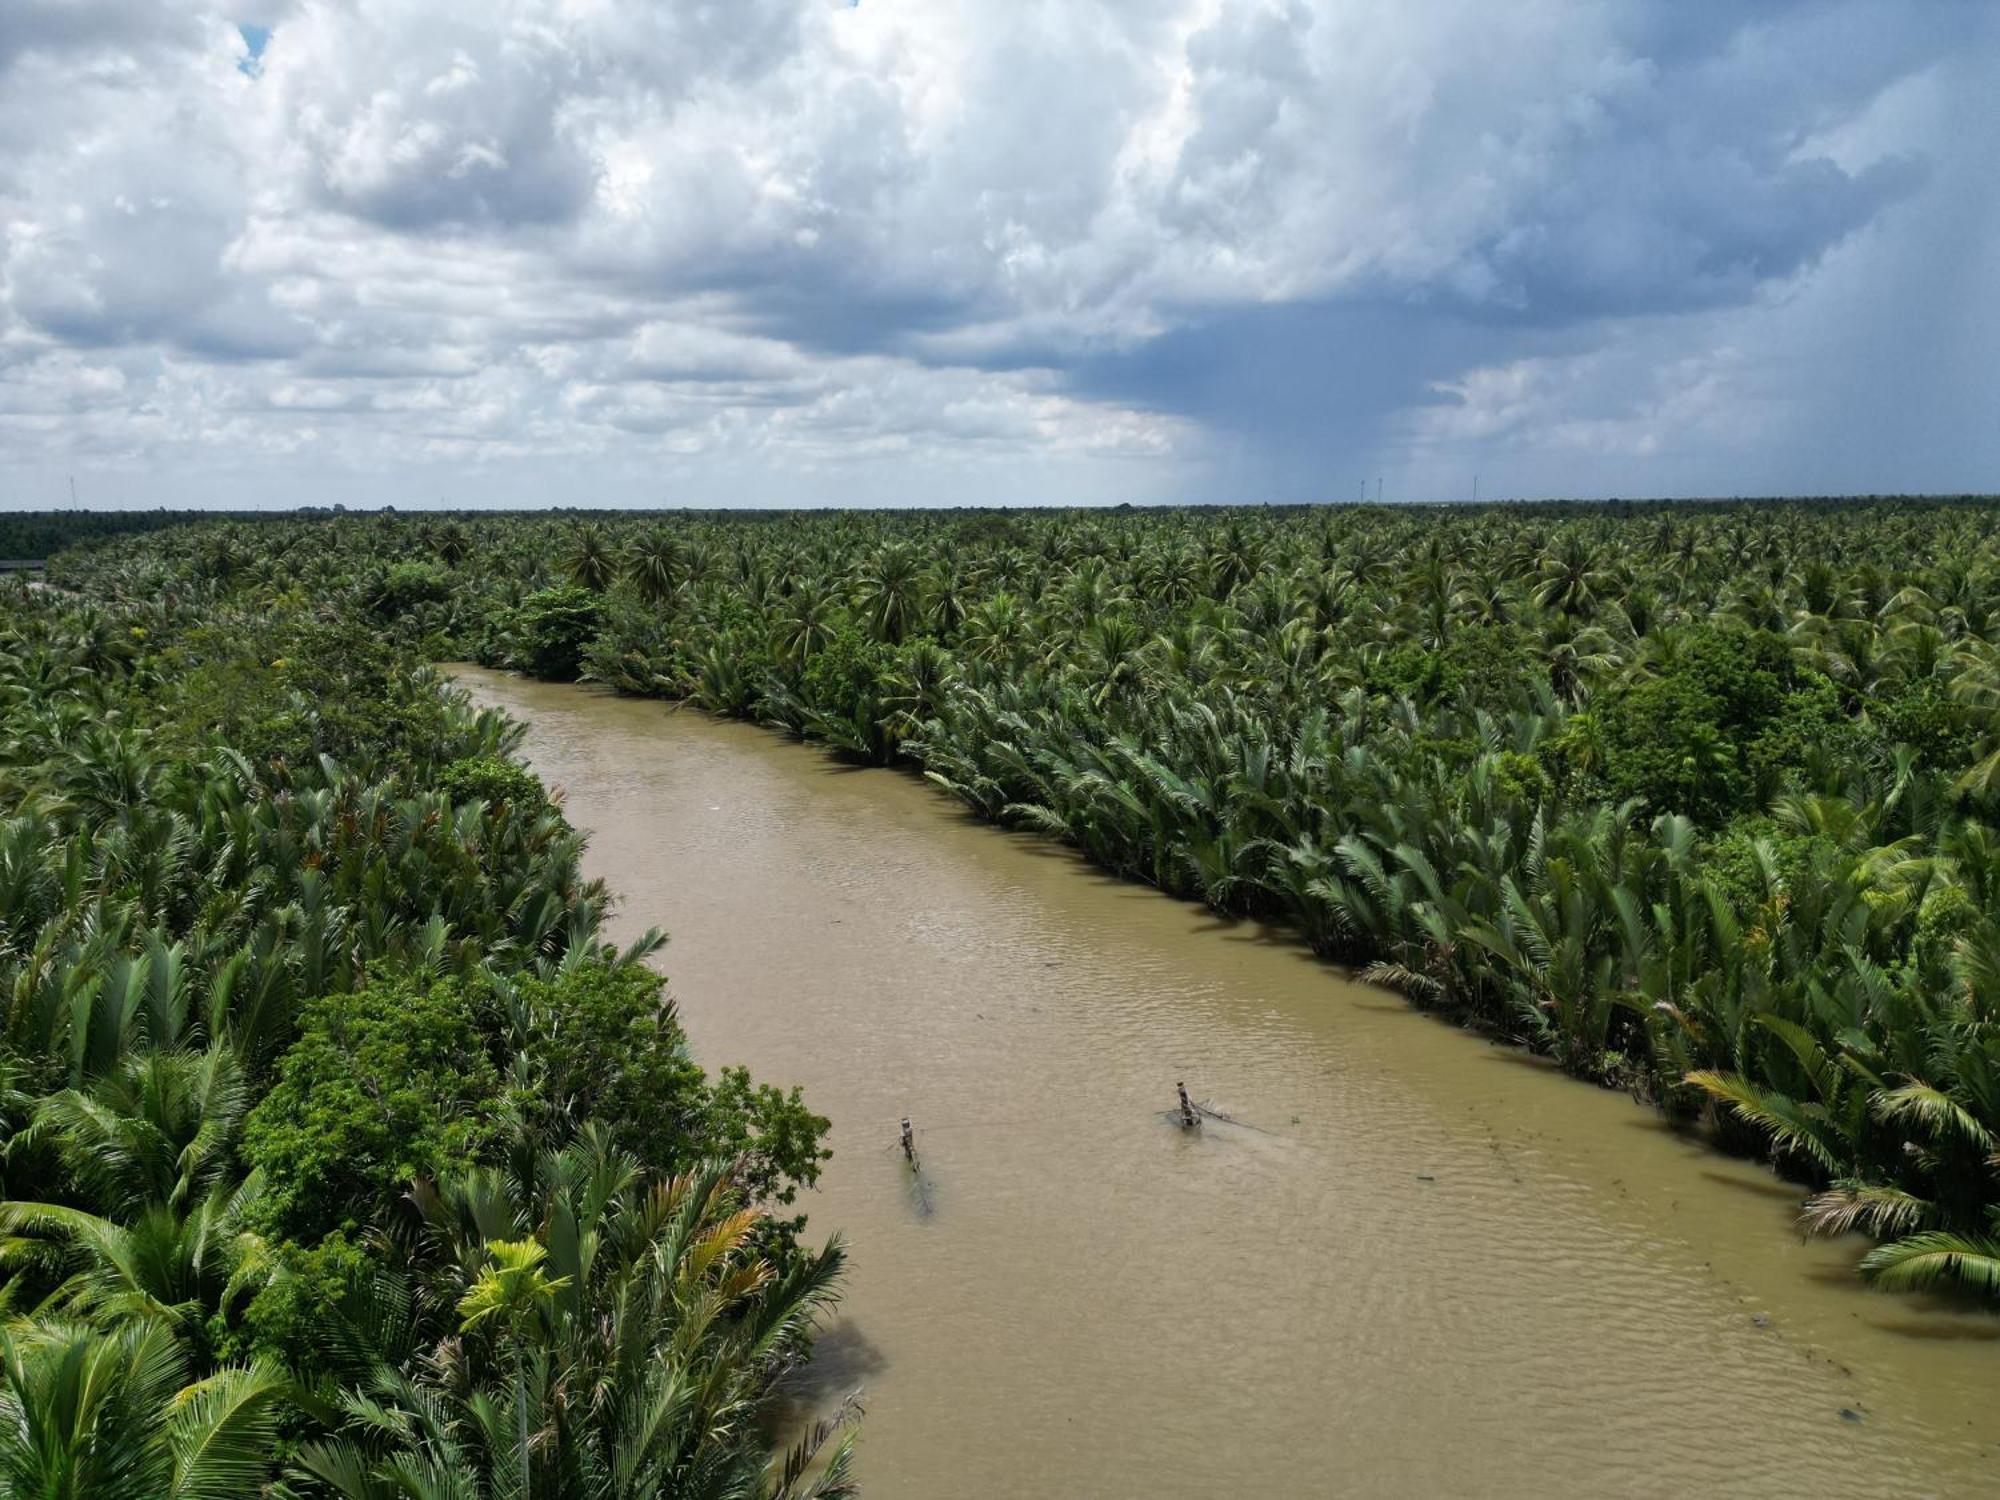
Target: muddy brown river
(1421,1265)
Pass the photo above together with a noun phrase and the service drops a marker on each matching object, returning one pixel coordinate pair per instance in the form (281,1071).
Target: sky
(944,252)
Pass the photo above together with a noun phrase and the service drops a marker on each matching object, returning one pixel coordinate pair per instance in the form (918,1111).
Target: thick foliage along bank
(1699,800)
(342,1155)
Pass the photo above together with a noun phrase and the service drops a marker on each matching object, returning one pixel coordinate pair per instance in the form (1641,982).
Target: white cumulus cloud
(804,251)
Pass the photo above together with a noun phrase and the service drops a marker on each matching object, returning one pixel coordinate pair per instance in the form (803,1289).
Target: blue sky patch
(255,39)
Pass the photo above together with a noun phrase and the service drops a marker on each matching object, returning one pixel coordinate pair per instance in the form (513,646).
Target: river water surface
(1422,1265)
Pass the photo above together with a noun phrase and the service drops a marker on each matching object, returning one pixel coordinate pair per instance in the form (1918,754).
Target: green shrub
(1681,739)
(287,1319)
(1943,732)
(1414,671)
(286,690)
(1731,861)
(1520,775)
(483,778)
(405,585)
(845,676)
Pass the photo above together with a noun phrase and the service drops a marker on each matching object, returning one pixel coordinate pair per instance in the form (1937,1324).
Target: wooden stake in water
(1190,1117)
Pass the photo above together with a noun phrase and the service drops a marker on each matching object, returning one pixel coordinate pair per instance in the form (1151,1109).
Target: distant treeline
(43,533)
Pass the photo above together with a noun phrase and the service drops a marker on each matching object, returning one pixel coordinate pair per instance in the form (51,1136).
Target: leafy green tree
(387,1082)
(601,1043)
(553,626)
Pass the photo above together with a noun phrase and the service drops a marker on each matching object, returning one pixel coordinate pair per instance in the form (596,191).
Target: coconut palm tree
(591,562)
(889,592)
(654,564)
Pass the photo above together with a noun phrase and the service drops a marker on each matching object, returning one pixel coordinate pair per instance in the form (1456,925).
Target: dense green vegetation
(1698,800)
(342,1155)
(34,534)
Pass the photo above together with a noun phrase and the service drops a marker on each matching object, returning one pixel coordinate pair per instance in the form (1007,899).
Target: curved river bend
(1432,1267)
